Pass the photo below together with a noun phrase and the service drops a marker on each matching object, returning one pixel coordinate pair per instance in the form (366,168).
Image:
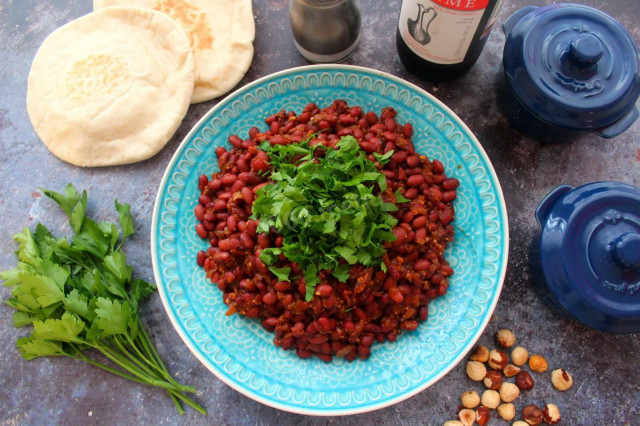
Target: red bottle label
(463,4)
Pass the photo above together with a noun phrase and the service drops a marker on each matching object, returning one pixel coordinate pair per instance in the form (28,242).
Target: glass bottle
(440,40)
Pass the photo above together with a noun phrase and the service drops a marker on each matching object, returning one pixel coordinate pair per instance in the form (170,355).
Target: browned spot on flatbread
(192,19)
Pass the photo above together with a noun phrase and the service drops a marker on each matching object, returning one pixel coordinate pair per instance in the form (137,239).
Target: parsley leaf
(325,205)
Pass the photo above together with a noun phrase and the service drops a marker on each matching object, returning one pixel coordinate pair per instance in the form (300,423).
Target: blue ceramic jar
(573,67)
(590,253)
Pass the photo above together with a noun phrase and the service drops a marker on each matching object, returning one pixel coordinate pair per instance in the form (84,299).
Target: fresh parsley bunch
(325,208)
(81,295)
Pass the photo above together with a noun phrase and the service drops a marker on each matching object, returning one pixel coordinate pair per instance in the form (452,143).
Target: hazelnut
(510,370)
(507,411)
(470,399)
(524,381)
(476,370)
(482,415)
(497,359)
(538,364)
(561,379)
(532,414)
(505,338)
(519,356)
(480,353)
(453,423)
(490,399)
(551,414)
(467,416)
(508,392)
(492,380)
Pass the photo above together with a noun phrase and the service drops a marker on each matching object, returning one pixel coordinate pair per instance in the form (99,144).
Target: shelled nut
(497,359)
(519,356)
(480,354)
(508,392)
(507,411)
(505,338)
(490,399)
(482,415)
(470,399)
(561,379)
(538,363)
(532,414)
(453,423)
(476,370)
(524,381)
(467,416)
(492,380)
(510,370)
(551,414)
(519,423)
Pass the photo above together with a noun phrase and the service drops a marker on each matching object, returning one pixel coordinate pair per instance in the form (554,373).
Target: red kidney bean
(199,212)
(450,184)
(270,298)
(201,231)
(399,156)
(438,167)
(200,258)
(246,241)
(396,295)
(371,117)
(448,196)
(220,151)
(389,136)
(235,141)
(446,216)
(415,180)
(232,223)
(411,193)
(214,184)
(407,130)
(421,265)
(413,161)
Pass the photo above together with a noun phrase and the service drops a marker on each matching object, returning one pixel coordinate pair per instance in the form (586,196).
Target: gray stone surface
(61,391)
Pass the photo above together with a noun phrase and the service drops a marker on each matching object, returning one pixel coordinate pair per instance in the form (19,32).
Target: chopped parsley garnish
(323,203)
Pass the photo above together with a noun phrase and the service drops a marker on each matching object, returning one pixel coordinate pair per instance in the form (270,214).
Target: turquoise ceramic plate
(237,349)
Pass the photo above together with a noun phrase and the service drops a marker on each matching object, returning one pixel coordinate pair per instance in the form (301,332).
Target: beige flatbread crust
(221,34)
(111,87)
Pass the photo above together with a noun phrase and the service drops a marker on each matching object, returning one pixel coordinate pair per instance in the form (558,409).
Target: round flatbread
(221,34)
(111,87)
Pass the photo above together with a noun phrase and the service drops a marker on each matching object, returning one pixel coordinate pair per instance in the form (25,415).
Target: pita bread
(111,87)
(221,34)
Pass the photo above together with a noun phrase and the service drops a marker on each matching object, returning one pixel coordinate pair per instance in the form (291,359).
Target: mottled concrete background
(60,391)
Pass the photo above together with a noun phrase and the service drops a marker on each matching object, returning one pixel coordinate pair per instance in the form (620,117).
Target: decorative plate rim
(328,411)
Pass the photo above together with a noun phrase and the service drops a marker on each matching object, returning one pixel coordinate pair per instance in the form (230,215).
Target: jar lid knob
(626,250)
(586,49)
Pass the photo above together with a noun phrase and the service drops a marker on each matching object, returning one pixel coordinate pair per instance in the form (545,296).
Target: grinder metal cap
(573,66)
(590,253)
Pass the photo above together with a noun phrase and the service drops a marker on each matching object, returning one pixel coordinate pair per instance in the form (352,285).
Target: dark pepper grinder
(325,30)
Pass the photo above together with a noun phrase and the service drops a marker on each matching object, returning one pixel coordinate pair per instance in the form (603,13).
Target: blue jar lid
(590,253)
(573,66)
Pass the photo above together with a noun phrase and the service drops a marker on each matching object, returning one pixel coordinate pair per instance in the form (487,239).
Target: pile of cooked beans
(342,319)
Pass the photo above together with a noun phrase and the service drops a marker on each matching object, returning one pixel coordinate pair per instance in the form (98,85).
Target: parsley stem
(81,357)
(191,403)
(155,361)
